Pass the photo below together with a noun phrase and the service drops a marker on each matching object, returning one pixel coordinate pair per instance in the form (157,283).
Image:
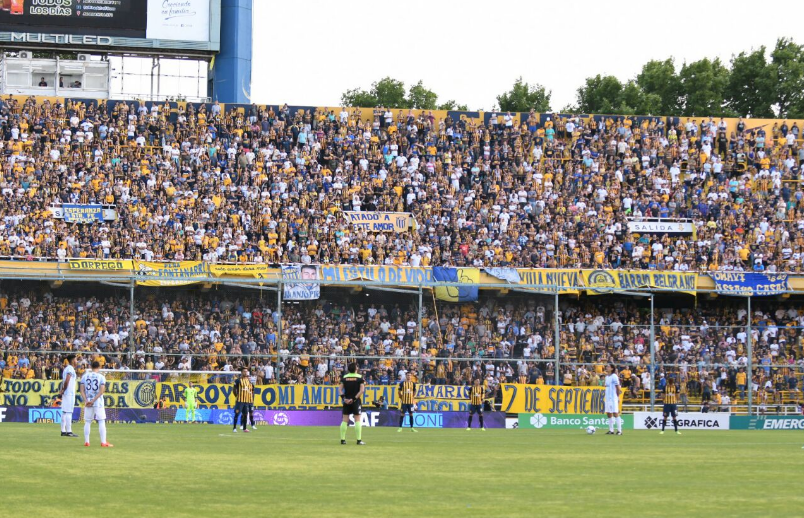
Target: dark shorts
(407,408)
(246,407)
(353,408)
(475,409)
(670,410)
(238,408)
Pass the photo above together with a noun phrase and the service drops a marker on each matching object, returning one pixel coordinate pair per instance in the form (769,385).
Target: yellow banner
(106,265)
(608,281)
(259,271)
(570,281)
(42,393)
(169,274)
(468,276)
(380,221)
(442,398)
(549,399)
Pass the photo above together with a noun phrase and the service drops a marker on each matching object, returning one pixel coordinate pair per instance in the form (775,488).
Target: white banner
(380,221)
(186,20)
(505,274)
(687,421)
(660,227)
(109,212)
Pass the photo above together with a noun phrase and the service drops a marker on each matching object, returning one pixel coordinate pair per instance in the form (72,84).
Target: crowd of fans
(501,340)
(268,184)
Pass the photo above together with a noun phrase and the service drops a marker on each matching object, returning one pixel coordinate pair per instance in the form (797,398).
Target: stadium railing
(566,358)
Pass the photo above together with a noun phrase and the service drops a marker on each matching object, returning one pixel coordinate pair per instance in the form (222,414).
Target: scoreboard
(149,25)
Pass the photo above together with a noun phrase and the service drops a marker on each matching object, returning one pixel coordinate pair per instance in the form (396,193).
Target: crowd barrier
(647,421)
(225,416)
(711,421)
(568,421)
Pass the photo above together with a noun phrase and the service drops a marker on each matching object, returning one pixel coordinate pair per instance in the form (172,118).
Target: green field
(204,470)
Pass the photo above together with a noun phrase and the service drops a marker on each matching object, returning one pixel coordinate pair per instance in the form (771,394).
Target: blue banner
(469,276)
(750,284)
(74,213)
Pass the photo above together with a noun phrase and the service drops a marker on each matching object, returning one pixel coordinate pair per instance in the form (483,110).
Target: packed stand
(266,184)
(502,340)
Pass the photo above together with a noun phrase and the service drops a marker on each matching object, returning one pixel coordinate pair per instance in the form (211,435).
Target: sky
(309,52)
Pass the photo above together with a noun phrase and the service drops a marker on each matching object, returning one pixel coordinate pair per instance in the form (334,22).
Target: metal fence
(568,352)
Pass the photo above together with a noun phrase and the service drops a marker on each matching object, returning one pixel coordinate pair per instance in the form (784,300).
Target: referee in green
(352,388)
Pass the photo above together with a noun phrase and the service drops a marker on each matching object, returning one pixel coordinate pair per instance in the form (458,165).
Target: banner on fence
(749,283)
(394,275)
(505,274)
(42,393)
(104,265)
(770,422)
(570,281)
(549,399)
(609,281)
(468,276)
(300,290)
(144,394)
(170,274)
(567,421)
(380,221)
(259,271)
(661,227)
(442,398)
(688,421)
(74,213)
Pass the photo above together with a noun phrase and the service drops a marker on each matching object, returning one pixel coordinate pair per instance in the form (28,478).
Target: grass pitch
(205,470)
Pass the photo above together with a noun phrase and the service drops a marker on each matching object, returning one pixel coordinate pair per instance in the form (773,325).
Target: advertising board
(686,421)
(136,24)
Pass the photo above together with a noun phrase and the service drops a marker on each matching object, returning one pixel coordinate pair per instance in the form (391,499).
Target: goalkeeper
(189,397)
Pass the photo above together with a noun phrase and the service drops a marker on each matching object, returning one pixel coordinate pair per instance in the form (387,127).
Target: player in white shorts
(93,385)
(613,400)
(67,395)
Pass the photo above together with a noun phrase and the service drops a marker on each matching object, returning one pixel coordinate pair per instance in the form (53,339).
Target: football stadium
(213,305)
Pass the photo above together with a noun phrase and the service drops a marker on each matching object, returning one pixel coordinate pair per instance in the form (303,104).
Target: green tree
(523,97)
(421,98)
(600,94)
(703,86)
(750,90)
(635,101)
(453,105)
(386,92)
(389,93)
(359,98)
(659,78)
(787,67)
